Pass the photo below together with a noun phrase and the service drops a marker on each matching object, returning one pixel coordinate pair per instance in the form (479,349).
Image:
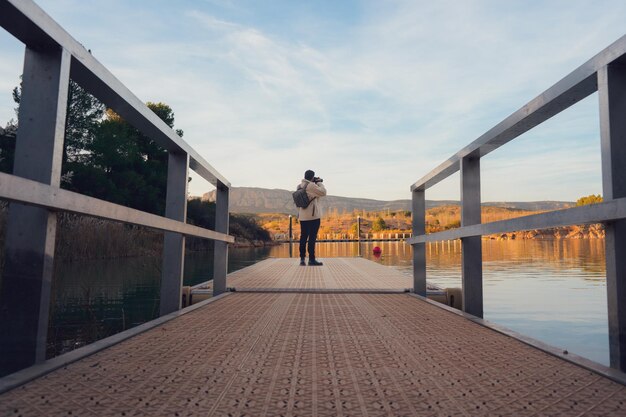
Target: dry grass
(82,237)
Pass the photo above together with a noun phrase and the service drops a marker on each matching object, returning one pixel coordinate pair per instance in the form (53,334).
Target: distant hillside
(263,200)
(531,205)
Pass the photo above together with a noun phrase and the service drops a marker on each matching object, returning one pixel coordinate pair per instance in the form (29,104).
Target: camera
(317,179)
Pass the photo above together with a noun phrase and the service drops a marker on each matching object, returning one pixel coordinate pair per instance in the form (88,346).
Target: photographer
(309,217)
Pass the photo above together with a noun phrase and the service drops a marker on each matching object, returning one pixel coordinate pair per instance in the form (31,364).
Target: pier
(325,341)
(351,337)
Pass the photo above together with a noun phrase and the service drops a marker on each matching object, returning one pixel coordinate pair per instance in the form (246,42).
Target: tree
(247,227)
(202,213)
(124,166)
(104,156)
(379,225)
(590,199)
(7,138)
(7,147)
(84,113)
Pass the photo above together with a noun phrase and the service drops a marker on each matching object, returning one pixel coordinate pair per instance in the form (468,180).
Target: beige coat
(314,191)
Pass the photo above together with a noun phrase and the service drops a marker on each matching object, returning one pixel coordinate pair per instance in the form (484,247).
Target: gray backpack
(301,198)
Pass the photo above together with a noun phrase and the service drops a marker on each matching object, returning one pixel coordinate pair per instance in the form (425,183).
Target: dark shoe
(302,263)
(315,263)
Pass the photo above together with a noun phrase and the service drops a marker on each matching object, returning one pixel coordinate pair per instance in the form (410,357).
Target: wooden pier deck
(318,353)
(336,274)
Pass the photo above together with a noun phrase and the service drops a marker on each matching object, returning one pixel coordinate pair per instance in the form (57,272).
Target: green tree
(104,156)
(590,199)
(107,158)
(247,227)
(84,113)
(7,138)
(202,213)
(379,225)
(124,166)
(7,147)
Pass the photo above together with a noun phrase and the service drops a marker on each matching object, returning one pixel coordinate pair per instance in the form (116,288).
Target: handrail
(30,24)
(34,193)
(573,88)
(590,214)
(53,57)
(605,73)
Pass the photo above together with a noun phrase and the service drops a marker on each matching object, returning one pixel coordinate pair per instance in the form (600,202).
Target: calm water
(552,290)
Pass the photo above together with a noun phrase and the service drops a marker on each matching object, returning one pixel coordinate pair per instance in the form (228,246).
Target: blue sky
(370,94)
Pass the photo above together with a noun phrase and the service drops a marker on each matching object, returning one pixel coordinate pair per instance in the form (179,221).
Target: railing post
(612,97)
(220,268)
(471,247)
(419,249)
(174,243)
(31,231)
(290,236)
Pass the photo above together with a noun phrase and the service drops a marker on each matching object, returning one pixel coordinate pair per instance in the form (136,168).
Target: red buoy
(377,250)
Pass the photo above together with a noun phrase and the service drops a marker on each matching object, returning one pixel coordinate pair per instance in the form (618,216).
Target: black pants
(308,231)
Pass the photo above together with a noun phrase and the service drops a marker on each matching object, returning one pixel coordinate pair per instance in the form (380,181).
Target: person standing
(309,216)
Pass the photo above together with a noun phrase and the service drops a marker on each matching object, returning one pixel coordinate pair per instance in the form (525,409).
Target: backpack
(301,198)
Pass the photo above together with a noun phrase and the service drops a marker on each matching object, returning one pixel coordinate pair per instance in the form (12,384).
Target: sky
(371,95)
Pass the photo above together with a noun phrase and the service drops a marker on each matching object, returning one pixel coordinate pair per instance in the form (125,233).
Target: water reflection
(95,299)
(553,290)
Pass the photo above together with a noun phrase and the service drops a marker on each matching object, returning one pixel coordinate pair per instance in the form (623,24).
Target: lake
(551,290)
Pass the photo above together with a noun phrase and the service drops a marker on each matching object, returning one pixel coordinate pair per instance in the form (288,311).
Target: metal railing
(52,57)
(605,73)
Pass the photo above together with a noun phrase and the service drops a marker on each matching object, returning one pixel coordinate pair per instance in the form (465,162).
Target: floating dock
(338,340)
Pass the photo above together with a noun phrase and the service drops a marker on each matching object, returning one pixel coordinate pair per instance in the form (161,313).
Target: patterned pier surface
(337,273)
(312,354)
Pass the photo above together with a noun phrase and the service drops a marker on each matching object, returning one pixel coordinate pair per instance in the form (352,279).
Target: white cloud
(372,103)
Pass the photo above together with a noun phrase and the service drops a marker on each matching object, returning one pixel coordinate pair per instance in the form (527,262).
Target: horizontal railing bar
(34,193)
(593,213)
(31,25)
(20,24)
(579,84)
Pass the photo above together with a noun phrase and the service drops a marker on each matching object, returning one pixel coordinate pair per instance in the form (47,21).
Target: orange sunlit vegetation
(388,221)
(437,219)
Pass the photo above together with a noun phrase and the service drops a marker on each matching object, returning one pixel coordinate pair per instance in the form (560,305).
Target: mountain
(532,205)
(263,200)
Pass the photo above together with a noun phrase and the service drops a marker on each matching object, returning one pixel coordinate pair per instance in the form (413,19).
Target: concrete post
(31,231)
(419,249)
(220,267)
(612,97)
(471,247)
(174,243)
